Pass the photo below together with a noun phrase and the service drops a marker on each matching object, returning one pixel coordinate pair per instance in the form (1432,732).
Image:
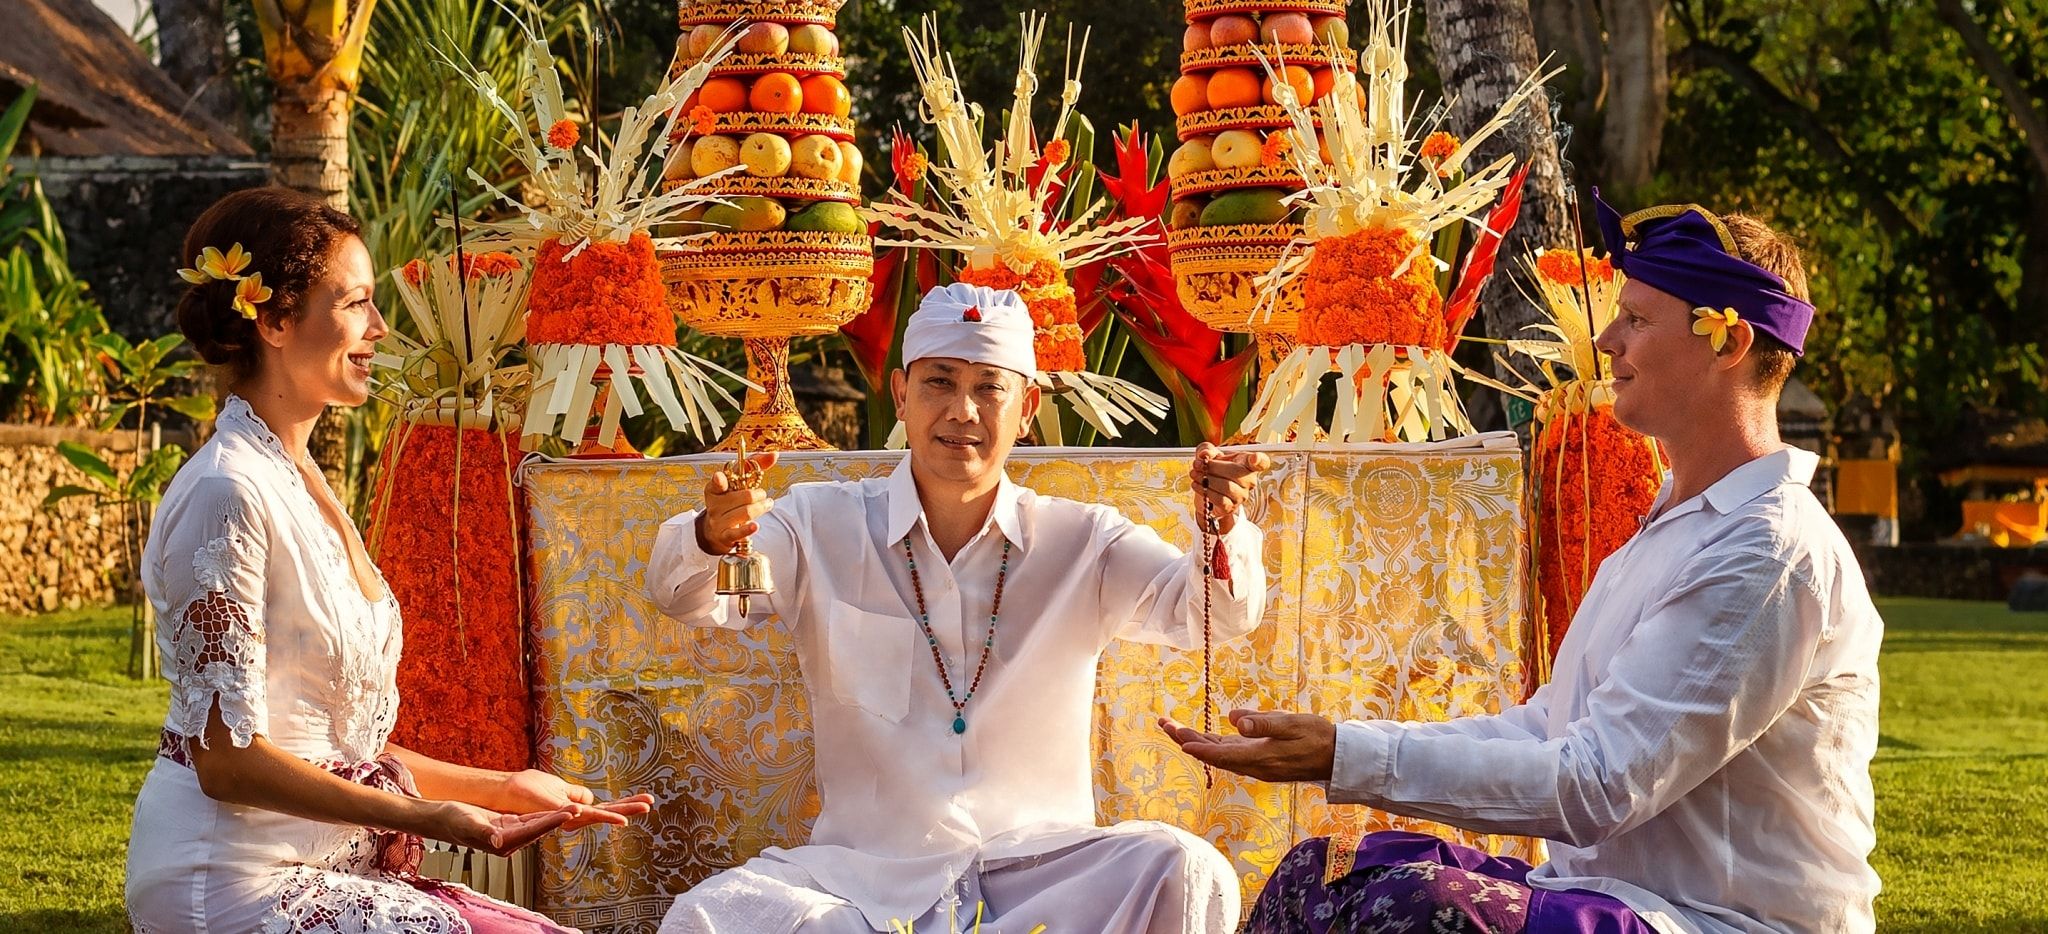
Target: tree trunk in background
(309,141)
(313,50)
(1570,29)
(1484,49)
(1638,91)
(309,153)
(192,44)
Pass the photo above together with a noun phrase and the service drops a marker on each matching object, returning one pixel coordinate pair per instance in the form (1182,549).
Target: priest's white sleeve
(683,580)
(1152,592)
(1710,667)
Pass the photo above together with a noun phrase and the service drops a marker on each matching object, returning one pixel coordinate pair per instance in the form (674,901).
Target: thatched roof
(97,94)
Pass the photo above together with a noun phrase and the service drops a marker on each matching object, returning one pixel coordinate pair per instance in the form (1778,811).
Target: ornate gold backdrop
(1396,574)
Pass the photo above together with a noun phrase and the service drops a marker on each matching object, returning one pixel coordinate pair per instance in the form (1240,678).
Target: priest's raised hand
(731,506)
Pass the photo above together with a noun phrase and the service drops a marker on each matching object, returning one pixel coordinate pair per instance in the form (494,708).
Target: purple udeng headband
(1683,249)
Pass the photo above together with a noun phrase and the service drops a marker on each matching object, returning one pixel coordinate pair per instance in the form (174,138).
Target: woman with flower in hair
(277,802)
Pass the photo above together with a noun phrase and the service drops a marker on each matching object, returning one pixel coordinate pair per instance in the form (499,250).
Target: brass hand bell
(741,572)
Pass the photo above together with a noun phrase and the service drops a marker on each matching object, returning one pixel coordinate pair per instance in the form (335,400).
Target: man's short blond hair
(1756,243)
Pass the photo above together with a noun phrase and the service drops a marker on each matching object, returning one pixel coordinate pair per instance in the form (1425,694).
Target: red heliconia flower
(871,332)
(1134,165)
(1478,266)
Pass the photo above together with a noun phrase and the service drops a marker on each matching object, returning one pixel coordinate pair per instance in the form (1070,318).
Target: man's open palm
(1270,746)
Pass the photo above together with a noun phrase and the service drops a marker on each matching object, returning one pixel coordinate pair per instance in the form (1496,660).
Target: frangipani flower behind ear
(249,293)
(1714,325)
(213,264)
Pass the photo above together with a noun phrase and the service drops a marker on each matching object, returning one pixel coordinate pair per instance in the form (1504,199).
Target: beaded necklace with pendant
(924,622)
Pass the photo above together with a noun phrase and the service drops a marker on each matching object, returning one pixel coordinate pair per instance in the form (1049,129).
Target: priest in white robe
(948,623)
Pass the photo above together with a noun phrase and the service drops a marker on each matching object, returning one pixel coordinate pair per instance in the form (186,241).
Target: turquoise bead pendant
(959,725)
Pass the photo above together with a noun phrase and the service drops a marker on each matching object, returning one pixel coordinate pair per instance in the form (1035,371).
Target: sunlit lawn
(1962,774)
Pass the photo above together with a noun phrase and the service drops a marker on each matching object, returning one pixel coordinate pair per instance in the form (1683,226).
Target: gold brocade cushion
(1396,580)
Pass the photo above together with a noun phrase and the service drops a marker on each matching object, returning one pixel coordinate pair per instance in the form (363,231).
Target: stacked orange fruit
(775,115)
(1232,166)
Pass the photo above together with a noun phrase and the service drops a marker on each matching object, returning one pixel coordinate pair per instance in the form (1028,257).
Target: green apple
(711,154)
(1248,206)
(828,217)
(1237,149)
(1193,156)
(766,155)
(816,156)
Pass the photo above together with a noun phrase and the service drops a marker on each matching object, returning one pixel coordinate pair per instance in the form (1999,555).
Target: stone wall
(68,557)
(124,218)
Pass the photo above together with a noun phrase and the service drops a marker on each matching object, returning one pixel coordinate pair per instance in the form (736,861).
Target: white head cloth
(973,323)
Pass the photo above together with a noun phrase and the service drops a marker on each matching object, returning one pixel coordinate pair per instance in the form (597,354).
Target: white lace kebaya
(259,612)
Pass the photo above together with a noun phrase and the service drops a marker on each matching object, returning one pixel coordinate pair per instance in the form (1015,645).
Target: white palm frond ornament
(600,332)
(1002,206)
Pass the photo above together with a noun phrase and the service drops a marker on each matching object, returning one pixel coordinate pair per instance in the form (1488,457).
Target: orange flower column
(1593,481)
(454,570)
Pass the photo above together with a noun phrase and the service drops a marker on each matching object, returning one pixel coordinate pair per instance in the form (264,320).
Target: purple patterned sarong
(1395,881)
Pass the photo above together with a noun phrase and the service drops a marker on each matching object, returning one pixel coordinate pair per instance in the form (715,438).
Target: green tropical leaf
(65,492)
(89,463)
(195,407)
(12,122)
(146,484)
(115,414)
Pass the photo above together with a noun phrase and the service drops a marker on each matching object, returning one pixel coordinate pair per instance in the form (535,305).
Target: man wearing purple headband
(1700,760)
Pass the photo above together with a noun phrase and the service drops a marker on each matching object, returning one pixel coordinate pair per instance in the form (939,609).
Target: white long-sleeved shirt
(907,804)
(1703,750)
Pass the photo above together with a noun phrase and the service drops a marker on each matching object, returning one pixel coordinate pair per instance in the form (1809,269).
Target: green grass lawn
(1962,773)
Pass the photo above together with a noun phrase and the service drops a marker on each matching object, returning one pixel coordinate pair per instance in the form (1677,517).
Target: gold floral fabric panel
(1395,590)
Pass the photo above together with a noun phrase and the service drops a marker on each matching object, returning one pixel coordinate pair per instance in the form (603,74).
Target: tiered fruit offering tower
(777,107)
(1231,174)
(790,254)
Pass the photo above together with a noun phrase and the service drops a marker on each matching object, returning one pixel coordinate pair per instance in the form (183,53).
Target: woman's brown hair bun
(289,237)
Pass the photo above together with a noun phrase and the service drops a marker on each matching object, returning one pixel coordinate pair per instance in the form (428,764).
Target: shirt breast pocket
(870,656)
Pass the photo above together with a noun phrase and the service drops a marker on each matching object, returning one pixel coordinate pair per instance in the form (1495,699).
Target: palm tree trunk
(1484,50)
(309,141)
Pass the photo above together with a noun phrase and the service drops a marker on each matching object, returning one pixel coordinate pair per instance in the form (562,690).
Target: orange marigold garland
(1562,267)
(1593,480)
(914,167)
(1437,149)
(1058,152)
(703,120)
(454,572)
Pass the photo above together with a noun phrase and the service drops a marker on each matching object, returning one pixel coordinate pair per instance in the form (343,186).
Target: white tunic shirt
(908,804)
(1703,750)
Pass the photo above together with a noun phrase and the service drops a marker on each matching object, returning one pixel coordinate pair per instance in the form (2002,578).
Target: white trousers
(1157,880)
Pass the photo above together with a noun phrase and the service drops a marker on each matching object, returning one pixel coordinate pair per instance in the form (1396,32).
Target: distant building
(124,162)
